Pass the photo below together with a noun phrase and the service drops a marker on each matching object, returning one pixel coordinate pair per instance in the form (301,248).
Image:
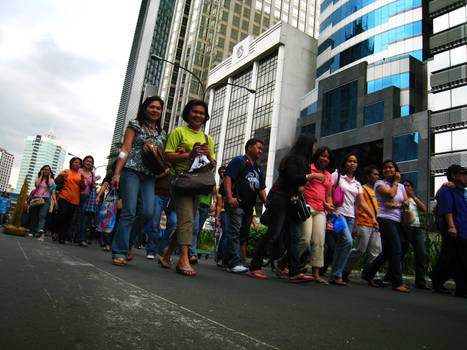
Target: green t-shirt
(206,199)
(185,137)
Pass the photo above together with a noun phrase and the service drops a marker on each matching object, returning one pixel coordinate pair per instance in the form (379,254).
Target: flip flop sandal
(301,278)
(257,275)
(193,260)
(164,264)
(119,262)
(130,255)
(185,271)
(321,281)
(338,282)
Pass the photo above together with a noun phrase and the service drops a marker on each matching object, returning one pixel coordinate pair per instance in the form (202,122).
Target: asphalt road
(68,297)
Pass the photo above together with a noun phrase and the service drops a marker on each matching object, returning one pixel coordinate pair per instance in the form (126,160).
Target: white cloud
(62,65)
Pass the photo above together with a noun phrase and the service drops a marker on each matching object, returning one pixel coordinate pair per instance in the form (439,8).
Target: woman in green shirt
(185,143)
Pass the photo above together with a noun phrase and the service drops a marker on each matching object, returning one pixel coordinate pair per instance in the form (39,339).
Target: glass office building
(6,163)
(39,151)
(371,94)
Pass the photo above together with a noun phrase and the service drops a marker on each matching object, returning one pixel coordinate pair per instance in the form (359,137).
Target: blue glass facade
(401,81)
(364,23)
(370,46)
(342,116)
(405,147)
(345,10)
(405,111)
(373,113)
(313,108)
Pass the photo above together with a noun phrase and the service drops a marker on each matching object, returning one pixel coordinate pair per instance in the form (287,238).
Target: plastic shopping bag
(108,213)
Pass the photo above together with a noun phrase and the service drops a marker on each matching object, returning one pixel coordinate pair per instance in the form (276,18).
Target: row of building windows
(366,22)
(377,43)
(448,99)
(450,141)
(402,81)
(405,147)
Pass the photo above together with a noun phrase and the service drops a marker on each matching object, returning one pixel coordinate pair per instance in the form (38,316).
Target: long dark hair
(393,163)
(318,153)
(51,174)
(141,116)
(302,150)
(193,103)
(342,168)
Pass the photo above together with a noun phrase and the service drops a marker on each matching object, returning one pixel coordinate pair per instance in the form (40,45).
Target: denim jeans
(194,238)
(342,249)
(414,236)
(239,221)
(77,221)
(64,217)
(161,203)
(133,184)
(280,221)
(222,242)
(392,250)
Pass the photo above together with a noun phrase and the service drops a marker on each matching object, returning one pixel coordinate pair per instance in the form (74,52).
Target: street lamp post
(203,87)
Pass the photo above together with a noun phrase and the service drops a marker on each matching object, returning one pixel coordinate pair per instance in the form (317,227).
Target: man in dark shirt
(244,180)
(452,209)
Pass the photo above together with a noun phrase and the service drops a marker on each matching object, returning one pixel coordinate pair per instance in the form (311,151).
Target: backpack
(234,183)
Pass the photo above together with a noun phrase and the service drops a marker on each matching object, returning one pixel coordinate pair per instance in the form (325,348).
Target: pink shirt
(352,188)
(315,191)
(43,190)
(87,189)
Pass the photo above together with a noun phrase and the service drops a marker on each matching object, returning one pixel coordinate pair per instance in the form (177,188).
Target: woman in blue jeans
(392,198)
(294,173)
(133,177)
(353,195)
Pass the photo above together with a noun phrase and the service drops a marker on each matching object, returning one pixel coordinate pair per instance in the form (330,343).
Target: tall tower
(6,163)
(371,95)
(39,151)
(204,33)
(143,74)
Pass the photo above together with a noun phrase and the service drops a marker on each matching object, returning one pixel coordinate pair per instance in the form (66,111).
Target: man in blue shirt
(244,180)
(4,207)
(452,208)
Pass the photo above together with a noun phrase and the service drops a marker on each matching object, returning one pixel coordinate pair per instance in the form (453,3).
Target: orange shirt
(362,217)
(71,189)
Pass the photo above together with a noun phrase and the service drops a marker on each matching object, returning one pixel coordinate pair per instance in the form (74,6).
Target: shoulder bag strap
(371,200)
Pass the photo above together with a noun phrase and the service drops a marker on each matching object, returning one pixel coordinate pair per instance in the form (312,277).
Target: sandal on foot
(319,280)
(257,274)
(119,261)
(164,264)
(106,248)
(185,271)
(301,278)
(338,282)
(193,260)
(130,255)
(402,289)
(281,273)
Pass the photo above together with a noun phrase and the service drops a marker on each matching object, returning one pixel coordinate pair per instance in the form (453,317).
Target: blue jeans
(415,237)
(198,224)
(133,185)
(77,221)
(239,222)
(222,243)
(161,203)
(43,214)
(342,249)
(392,250)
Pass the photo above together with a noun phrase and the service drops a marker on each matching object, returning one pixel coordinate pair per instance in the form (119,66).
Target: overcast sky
(62,65)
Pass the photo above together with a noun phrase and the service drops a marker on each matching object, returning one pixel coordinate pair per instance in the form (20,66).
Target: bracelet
(116,176)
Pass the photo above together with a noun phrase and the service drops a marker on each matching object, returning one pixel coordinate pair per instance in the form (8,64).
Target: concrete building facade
(279,66)
(6,163)
(39,151)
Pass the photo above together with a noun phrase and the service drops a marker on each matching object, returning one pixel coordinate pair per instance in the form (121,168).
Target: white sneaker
(150,256)
(238,269)
(30,235)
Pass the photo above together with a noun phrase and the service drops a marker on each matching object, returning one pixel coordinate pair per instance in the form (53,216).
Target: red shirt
(315,191)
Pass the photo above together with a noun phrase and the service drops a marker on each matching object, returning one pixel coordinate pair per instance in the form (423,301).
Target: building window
(401,81)
(313,108)
(309,129)
(338,117)
(450,141)
(373,113)
(405,147)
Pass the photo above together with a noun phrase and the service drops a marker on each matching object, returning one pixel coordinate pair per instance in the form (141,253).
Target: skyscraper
(39,151)
(372,92)
(448,87)
(198,36)
(143,74)
(6,163)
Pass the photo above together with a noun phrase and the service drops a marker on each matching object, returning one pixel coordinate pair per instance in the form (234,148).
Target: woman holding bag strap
(133,178)
(184,145)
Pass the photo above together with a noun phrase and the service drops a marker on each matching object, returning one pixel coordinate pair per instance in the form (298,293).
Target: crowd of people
(312,216)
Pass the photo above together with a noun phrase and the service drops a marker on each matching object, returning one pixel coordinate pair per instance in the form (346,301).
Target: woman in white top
(353,195)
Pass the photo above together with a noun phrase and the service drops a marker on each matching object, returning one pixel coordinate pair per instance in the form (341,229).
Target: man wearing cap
(452,208)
